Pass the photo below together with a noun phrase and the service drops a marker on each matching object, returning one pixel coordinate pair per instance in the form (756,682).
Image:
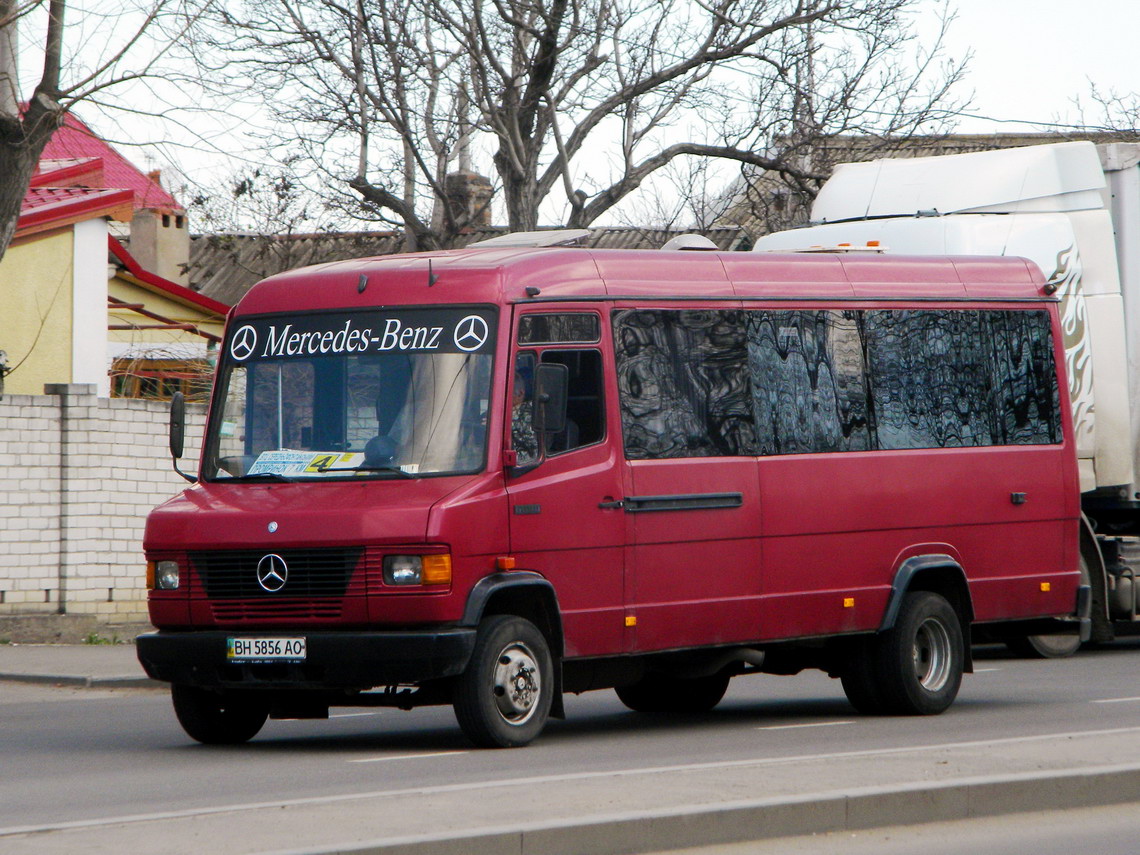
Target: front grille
(234,611)
(312,573)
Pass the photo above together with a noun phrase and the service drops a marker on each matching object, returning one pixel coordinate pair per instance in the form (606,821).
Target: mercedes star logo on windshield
(243,343)
(272,573)
(470,333)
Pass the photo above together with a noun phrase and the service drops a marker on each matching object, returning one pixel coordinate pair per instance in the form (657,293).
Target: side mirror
(178,433)
(551,383)
(177,425)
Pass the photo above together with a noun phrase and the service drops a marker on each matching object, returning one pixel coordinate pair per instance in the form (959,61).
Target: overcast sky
(1033,57)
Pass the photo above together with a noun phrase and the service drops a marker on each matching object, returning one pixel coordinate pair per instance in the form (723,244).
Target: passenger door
(692,495)
(566,521)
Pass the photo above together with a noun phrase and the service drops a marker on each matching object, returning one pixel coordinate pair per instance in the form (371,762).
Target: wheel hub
(932,655)
(517,684)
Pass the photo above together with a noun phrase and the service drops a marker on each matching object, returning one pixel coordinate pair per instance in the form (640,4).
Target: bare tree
(574,102)
(1115,112)
(71,70)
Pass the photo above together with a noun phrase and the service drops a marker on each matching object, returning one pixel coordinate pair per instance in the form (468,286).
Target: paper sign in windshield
(287,462)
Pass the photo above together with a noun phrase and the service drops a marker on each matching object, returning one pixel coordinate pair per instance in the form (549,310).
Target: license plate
(265,649)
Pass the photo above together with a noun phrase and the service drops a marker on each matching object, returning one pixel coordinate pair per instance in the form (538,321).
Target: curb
(767,819)
(71,680)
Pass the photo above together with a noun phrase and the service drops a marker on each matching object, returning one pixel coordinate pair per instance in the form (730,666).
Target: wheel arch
(939,574)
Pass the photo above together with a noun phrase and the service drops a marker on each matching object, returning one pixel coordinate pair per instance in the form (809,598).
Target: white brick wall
(77,533)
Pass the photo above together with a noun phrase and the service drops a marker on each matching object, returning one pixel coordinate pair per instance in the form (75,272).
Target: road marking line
(985,670)
(1116,701)
(812,724)
(407,757)
(352,714)
(500,783)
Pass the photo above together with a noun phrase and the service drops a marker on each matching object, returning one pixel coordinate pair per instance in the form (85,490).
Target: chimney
(160,243)
(470,196)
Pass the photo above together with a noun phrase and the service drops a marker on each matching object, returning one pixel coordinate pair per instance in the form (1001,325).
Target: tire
(919,661)
(1050,646)
(502,699)
(860,679)
(216,718)
(1044,646)
(657,693)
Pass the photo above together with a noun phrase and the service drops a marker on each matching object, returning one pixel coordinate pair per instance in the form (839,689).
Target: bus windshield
(382,394)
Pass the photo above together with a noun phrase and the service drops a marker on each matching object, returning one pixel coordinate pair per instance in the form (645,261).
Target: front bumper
(334,660)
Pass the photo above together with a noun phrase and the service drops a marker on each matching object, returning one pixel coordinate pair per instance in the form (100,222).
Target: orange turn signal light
(436,570)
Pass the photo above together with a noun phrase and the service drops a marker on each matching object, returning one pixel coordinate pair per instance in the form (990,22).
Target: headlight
(166,576)
(417,570)
(402,570)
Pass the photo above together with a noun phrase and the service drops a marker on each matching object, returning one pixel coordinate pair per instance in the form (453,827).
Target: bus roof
(512,275)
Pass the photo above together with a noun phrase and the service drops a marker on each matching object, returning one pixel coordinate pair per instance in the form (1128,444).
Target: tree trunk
(21,143)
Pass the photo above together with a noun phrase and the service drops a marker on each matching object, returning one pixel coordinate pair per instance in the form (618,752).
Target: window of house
(159,379)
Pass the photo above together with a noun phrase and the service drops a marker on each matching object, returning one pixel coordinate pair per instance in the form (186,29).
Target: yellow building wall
(36,319)
(130,292)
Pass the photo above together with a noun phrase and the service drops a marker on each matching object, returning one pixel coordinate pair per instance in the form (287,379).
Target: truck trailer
(1073,209)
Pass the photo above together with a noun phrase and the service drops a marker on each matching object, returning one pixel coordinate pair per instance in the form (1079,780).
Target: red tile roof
(77,141)
(73,172)
(172,289)
(52,207)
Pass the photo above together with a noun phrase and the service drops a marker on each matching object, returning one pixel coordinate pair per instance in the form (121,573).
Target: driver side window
(524,438)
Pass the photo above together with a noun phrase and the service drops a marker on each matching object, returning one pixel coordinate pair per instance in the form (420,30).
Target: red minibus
(487,477)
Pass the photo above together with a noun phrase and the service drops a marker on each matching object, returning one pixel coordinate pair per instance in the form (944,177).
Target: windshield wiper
(395,470)
(267,476)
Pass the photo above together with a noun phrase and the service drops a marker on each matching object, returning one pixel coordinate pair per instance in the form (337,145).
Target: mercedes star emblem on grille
(272,573)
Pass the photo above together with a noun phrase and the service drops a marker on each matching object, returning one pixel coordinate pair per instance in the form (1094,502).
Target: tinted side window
(1027,395)
(724,382)
(562,327)
(808,389)
(930,378)
(683,383)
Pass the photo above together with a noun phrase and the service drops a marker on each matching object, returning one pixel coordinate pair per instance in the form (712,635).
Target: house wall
(158,343)
(78,474)
(38,278)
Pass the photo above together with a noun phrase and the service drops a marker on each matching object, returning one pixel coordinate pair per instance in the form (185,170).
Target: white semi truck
(1074,209)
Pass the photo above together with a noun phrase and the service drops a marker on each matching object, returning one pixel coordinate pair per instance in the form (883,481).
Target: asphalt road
(84,763)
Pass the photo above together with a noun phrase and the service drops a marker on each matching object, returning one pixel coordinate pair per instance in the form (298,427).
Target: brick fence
(78,474)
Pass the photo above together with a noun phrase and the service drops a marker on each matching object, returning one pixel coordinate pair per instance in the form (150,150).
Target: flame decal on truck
(1065,282)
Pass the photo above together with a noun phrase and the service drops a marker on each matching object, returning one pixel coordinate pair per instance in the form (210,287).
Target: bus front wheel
(216,718)
(502,699)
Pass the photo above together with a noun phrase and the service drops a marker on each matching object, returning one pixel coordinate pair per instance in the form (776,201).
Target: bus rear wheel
(658,693)
(914,668)
(920,660)
(860,679)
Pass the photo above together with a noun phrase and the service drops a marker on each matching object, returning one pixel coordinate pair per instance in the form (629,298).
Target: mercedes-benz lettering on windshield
(378,393)
(434,331)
